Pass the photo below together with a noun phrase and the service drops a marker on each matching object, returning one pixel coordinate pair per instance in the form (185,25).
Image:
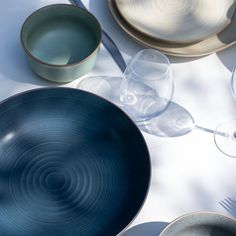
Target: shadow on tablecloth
(175,121)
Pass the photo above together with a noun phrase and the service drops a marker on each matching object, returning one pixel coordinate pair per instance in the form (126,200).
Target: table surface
(188,173)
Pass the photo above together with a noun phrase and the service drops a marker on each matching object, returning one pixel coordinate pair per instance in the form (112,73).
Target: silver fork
(229,204)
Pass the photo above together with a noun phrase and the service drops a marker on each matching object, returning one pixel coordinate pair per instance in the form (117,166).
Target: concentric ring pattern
(71,164)
(181,21)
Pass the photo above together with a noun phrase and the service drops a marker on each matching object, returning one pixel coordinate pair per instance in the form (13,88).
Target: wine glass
(176,121)
(225,133)
(147,85)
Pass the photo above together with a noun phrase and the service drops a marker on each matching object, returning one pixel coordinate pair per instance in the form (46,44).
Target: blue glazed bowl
(67,165)
(61,42)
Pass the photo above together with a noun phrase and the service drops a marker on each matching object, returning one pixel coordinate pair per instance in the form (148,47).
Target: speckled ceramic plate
(201,224)
(216,43)
(181,21)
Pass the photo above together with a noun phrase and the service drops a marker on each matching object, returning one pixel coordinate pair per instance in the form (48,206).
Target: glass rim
(232,82)
(168,69)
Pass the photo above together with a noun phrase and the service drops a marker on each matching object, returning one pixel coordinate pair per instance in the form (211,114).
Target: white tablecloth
(188,173)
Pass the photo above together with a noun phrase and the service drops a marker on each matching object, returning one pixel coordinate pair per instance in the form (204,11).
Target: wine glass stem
(211,131)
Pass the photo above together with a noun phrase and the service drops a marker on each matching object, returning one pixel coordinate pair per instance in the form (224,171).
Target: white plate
(181,21)
(216,43)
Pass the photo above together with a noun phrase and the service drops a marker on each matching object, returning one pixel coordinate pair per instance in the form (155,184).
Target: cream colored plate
(182,21)
(213,44)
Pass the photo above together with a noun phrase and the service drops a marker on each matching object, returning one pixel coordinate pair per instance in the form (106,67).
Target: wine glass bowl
(233,83)
(225,137)
(147,86)
(225,132)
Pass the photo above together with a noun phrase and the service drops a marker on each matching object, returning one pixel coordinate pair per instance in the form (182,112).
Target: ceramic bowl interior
(61,34)
(201,224)
(68,166)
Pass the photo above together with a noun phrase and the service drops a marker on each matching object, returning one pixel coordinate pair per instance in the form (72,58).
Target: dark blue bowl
(71,164)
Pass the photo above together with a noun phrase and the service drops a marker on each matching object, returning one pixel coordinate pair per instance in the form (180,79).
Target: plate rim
(225,25)
(198,213)
(140,41)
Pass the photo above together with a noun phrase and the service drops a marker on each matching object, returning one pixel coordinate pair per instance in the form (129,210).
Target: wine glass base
(225,138)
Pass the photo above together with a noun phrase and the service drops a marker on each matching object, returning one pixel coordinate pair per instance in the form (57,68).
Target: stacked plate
(178,27)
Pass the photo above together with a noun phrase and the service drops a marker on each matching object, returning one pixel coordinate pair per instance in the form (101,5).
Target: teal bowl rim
(198,213)
(55,65)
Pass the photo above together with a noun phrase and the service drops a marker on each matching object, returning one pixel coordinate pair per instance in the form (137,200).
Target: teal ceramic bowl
(61,42)
(201,224)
